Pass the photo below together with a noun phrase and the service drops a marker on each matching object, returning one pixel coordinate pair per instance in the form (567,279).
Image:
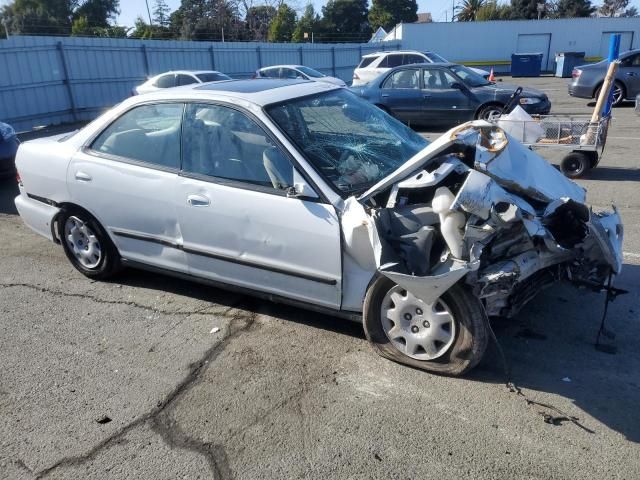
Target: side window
(435,80)
(225,143)
(407,79)
(394,60)
(149,133)
(412,58)
(271,73)
(632,61)
(448,79)
(185,80)
(166,81)
(290,73)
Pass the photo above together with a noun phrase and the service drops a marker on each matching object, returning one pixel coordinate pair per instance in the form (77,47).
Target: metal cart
(582,139)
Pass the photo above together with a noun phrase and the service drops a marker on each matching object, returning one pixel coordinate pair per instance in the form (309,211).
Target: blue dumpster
(566,62)
(526,64)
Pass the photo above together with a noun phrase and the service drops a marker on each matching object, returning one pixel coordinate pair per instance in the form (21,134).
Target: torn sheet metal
(521,170)
(429,288)
(607,231)
(480,193)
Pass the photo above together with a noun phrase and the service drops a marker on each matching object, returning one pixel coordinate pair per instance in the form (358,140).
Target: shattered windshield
(351,142)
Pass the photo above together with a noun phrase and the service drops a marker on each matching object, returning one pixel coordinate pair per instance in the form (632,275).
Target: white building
(490,44)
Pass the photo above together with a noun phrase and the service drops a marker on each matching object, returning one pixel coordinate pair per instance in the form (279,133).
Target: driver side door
(444,103)
(401,94)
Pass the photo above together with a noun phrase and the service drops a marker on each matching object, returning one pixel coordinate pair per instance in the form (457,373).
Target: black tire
(575,165)
(618,99)
(471,336)
(107,263)
(487,111)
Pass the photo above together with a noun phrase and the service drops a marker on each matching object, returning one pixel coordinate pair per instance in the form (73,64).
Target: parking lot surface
(152,377)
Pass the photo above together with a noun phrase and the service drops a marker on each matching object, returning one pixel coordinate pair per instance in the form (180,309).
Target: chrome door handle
(198,201)
(631,74)
(83,177)
(384,95)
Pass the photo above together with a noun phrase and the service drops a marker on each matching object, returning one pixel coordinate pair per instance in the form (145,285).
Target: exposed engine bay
(478,207)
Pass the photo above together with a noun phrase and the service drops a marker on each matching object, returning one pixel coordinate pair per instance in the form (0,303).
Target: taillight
(576,73)
(355,76)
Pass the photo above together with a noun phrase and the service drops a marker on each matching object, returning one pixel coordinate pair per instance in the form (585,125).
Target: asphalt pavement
(147,376)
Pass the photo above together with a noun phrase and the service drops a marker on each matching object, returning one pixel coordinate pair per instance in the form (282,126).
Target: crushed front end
(476,206)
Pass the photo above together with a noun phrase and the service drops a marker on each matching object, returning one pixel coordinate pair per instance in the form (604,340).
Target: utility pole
(222,34)
(453,10)
(6,29)
(540,9)
(148,12)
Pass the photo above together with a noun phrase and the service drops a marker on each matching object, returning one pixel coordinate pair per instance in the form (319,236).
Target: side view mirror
(300,188)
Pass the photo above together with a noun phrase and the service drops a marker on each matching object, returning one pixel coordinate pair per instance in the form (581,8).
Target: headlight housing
(530,101)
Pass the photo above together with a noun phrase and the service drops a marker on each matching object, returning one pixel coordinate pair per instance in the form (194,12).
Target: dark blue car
(8,148)
(444,94)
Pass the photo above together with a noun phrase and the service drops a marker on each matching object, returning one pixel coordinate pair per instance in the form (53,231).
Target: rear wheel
(618,93)
(449,337)
(87,245)
(575,164)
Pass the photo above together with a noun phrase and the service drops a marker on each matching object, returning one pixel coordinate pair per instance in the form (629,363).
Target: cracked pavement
(279,392)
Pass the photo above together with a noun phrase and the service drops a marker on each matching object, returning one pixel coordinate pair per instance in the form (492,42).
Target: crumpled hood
(521,169)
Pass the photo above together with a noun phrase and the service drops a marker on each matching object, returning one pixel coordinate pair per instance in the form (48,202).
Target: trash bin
(566,62)
(526,64)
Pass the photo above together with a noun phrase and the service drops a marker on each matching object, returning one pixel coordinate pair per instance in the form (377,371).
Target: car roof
(425,64)
(193,72)
(393,51)
(259,91)
(281,66)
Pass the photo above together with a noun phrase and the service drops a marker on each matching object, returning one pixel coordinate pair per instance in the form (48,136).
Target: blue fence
(52,80)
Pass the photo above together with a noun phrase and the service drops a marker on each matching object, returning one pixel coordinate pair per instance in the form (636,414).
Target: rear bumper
(580,91)
(36,215)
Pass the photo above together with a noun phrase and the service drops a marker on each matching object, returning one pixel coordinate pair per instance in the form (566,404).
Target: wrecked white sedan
(301,192)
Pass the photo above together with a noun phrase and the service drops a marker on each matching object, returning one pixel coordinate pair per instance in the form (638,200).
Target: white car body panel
(325,79)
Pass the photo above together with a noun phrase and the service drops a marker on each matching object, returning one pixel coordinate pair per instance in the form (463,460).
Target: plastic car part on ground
(476,206)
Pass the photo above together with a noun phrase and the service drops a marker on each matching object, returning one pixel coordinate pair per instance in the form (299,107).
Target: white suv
(375,64)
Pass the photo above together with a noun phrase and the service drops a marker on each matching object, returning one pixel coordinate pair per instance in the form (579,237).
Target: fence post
(259,53)
(333,60)
(66,81)
(147,69)
(213,58)
(301,55)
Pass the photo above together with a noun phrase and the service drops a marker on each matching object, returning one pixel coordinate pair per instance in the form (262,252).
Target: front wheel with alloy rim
(86,244)
(448,337)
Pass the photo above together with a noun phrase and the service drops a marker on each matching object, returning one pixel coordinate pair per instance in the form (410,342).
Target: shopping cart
(583,139)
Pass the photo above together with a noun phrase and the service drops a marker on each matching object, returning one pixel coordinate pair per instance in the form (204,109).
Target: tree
(283,24)
(161,13)
(388,13)
(630,12)
(468,10)
(573,8)
(309,23)
(57,17)
(209,20)
(524,9)
(613,8)
(257,21)
(491,10)
(346,21)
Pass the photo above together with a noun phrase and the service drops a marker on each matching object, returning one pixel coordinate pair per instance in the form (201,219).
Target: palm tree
(468,10)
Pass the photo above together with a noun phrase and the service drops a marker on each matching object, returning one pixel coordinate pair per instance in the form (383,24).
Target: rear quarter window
(366,61)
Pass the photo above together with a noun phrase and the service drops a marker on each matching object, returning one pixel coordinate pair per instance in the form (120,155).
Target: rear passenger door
(238,223)
(127,177)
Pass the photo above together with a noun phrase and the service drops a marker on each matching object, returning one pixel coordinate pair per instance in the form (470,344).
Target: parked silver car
(179,78)
(587,79)
(303,192)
